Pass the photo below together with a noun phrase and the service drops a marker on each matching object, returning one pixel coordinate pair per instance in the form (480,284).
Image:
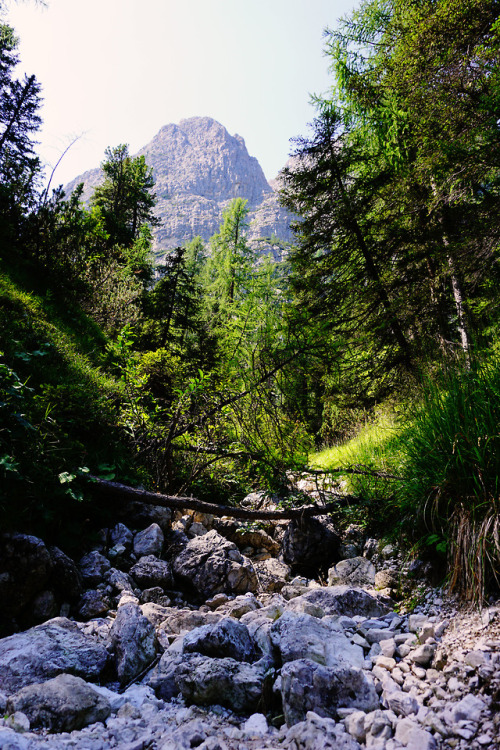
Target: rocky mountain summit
(198,169)
(179,631)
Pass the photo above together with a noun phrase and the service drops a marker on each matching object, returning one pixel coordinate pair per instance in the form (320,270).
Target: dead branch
(122,491)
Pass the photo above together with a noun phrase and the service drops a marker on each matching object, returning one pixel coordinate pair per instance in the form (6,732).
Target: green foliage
(19,120)
(452,471)
(58,412)
(125,199)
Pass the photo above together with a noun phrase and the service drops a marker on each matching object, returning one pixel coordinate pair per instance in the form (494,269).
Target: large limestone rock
(227,638)
(355,571)
(93,567)
(150,571)
(212,564)
(246,536)
(149,541)
(25,567)
(203,680)
(65,577)
(300,636)
(133,640)
(198,168)
(47,650)
(62,704)
(340,600)
(309,686)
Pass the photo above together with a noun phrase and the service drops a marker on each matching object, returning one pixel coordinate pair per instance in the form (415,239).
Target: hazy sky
(116,71)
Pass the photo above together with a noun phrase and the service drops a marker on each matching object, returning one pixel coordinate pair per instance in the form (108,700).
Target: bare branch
(191,503)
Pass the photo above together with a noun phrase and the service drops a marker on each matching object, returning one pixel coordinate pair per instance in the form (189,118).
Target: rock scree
(174,636)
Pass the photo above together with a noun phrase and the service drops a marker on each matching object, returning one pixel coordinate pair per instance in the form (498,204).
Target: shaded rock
(212,564)
(310,545)
(309,686)
(227,638)
(65,577)
(196,529)
(357,571)
(93,568)
(139,515)
(93,603)
(47,650)
(119,581)
(149,571)
(155,595)
(272,575)
(134,642)
(121,534)
(44,606)
(318,732)
(206,681)
(25,568)
(343,600)
(300,636)
(175,542)
(149,542)
(62,704)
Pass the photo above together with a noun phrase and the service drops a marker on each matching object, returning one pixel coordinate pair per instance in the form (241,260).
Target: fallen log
(115,489)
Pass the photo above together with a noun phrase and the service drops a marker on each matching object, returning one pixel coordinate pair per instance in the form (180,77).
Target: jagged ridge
(198,168)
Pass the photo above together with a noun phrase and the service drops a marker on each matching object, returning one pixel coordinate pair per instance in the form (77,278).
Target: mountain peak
(198,168)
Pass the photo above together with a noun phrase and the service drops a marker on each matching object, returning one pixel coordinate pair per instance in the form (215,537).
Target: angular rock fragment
(300,636)
(227,638)
(47,650)
(61,704)
(149,541)
(205,681)
(93,567)
(149,571)
(134,642)
(25,567)
(318,732)
(309,686)
(211,564)
(357,571)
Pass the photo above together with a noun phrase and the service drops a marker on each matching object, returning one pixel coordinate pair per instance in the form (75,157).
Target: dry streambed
(262,660)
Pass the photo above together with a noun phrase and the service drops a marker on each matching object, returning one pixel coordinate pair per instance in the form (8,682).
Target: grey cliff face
(198,169)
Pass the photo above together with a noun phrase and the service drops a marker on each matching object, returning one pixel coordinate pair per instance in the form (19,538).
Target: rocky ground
(195,632)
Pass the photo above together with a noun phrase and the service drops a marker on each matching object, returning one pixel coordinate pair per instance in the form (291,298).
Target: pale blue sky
(116,71)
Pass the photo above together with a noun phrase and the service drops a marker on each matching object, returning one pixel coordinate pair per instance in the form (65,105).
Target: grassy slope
(58,403)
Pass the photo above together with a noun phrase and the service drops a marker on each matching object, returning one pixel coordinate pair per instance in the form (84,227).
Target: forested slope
(219,371)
